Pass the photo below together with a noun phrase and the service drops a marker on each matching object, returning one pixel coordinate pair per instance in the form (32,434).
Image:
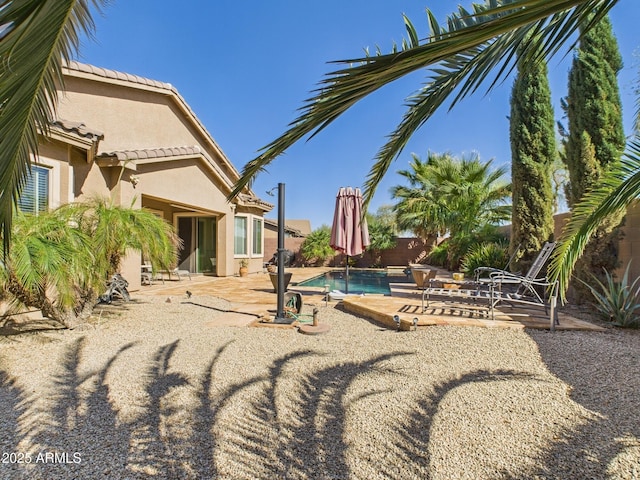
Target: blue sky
(245,67)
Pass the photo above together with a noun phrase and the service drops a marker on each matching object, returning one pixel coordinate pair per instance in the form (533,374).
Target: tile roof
(292,230)
(115,75)
(78,128)
(251,200)
(148,153)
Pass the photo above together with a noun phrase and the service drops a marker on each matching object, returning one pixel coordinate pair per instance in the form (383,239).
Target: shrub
(60,259)
(617,301)
(316,247)
(439,255)
(491,254)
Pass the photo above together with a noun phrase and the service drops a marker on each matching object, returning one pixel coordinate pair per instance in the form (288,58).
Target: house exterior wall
(55,156)
(143,116)
(133,117)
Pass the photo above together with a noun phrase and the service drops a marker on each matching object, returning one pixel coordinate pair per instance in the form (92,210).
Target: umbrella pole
(346,278)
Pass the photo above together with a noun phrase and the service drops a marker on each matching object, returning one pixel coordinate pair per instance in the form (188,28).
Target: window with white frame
(241,236)
(256,247)
(35,193)
(248,236)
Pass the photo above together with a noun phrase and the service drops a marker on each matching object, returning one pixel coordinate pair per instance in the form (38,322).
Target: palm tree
(59,260)
(48,256)
(459,57)
(115,230)
(463,198)
(36,38)
(419,209)
(316,248)
(450,195)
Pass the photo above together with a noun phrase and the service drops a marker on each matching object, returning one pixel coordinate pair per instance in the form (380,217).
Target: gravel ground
(155,390)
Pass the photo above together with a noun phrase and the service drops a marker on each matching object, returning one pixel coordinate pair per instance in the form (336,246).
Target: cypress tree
(593,107)
(595,138)
(533,150)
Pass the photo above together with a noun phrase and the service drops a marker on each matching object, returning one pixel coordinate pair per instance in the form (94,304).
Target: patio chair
(148,275)
(534,270)
(180,273)
(490,283)
(528,284)
(176,272)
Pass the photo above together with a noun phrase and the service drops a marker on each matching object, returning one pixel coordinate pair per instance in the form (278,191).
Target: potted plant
(244,267)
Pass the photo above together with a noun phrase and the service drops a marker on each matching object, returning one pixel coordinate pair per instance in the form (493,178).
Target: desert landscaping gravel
(164,390)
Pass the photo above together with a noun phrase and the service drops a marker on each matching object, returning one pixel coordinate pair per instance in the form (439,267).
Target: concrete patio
(253,299)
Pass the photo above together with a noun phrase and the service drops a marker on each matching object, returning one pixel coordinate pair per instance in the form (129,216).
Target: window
(248,238)
(240,236)
(35,194)
(257,236)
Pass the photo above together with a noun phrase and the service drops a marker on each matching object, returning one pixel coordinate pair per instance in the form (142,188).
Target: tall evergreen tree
(533,150)
(593,107)
(595,139)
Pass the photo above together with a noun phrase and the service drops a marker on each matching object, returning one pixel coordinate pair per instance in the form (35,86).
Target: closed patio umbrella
(349,233)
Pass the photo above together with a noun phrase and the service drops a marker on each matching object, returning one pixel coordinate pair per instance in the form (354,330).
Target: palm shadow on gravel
(302,436)
(82,418)
(611,436)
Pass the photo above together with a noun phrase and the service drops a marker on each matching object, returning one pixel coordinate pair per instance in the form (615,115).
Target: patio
(253,298)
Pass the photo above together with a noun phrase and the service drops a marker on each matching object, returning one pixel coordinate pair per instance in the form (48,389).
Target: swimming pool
(360,281)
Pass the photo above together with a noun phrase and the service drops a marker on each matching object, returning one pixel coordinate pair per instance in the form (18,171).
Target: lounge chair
(177,272)
(493,285)
(534,270)
(526,284)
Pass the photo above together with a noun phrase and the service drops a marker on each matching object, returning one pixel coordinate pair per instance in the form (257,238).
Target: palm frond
(46,255)
(462,42)
(617,190)
(39,36)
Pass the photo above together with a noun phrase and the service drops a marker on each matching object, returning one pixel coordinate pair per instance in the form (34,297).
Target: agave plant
(618,301)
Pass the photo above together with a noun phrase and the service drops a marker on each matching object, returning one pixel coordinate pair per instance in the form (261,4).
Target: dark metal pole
(346,278)
(280,253)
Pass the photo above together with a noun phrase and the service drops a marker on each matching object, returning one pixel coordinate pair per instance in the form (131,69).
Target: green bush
(316,247)
(439,255)
(491,254)
(617,301)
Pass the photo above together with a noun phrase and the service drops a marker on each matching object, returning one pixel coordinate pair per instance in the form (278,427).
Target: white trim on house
(249,241)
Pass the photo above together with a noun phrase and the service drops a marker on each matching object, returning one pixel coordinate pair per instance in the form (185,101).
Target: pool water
(360,281)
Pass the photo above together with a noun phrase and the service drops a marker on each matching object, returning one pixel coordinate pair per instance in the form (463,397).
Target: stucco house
(137,141)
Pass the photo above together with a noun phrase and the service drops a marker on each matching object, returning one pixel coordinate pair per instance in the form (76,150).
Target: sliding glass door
(206,258)
(198,235)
